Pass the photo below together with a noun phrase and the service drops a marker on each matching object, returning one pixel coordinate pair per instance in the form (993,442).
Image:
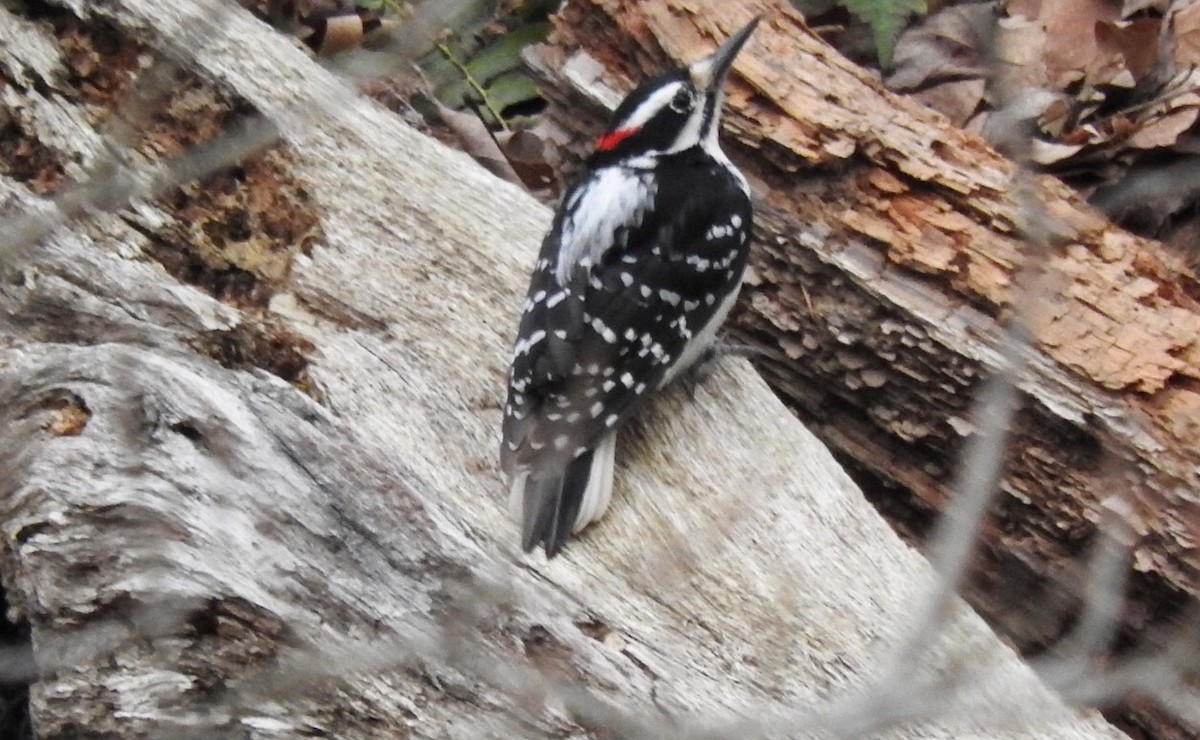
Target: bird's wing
(618,293)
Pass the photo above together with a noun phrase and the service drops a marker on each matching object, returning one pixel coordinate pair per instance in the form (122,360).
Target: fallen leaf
(1135,41)
(335,34)
(526,154)
(1027,9)
(1020,47)
(1132,7)
(1071,45)
(1049,152)
(477,141)
(958,101)
(1164,131)
(1185,29)
(945,46)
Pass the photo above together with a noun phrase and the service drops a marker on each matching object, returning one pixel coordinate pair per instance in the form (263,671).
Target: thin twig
(470,79)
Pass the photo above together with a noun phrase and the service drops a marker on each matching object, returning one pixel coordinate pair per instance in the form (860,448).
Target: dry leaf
(338,33)
(945,46)
(1049,152)
(1071,45)
(1185,27)
(1135,41)
(1020,47)
(477,141)
(1131,7)
(526,154)
(958,101)
(1164,131)
(1027,9)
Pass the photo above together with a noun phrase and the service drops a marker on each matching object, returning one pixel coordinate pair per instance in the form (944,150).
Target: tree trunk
(248,479)
(889,255)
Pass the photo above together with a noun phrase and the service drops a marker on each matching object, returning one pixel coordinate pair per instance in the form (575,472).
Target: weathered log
(247,447)
(889,256)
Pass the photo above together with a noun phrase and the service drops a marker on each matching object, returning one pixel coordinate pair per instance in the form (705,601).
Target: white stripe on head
(688,136)
(642,114)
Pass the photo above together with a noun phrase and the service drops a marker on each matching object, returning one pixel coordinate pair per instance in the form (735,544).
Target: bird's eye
(682,102)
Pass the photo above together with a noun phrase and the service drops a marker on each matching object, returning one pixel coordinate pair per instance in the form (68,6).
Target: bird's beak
(709,73)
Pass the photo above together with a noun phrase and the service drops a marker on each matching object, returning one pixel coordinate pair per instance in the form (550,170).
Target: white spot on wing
(602,329)
(528,342)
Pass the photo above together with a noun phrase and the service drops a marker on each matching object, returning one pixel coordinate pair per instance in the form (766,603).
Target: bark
(888,261)
(248,482)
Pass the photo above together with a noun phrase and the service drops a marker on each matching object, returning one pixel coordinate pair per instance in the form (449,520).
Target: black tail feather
(552,504)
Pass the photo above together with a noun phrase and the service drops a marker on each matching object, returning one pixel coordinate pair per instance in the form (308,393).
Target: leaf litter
(1107,88)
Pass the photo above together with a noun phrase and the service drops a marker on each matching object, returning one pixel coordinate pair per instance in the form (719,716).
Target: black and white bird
(642,263)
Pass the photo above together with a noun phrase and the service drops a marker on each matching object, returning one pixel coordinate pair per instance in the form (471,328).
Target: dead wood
(248,482)
(891,247)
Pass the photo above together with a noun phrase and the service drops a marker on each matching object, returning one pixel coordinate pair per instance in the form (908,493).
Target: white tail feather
(516,495)
(598,493)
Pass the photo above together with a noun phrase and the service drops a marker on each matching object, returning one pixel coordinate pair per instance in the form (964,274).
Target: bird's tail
(554,507)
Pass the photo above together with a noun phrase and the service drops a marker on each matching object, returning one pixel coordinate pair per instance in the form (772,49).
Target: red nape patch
(610,141)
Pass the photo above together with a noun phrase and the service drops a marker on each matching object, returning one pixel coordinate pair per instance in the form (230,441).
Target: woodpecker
(642,263)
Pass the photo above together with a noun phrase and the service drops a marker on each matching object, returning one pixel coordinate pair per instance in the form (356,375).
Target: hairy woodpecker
(642,263)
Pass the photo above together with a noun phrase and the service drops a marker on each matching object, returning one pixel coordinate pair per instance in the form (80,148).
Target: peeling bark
(888,255)
(249,488)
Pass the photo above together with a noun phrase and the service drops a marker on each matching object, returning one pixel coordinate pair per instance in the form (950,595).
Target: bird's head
(676,111)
